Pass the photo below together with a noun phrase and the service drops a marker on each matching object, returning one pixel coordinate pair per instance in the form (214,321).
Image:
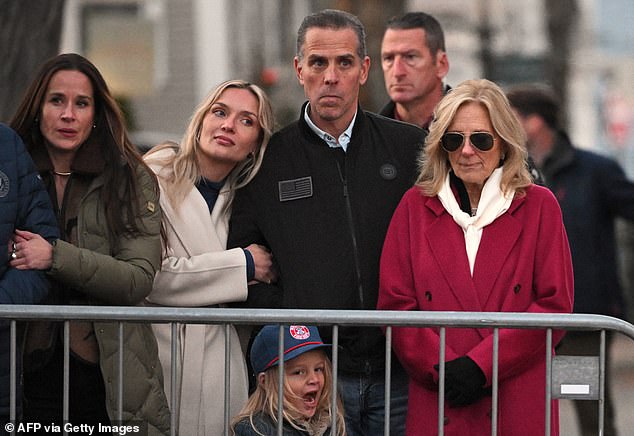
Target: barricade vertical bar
(602,383)
(335,372)
(65,403)
(494,382)
(549,379)
(441,384)
(173,361)
(120,375)
(541,323)
(12,375)
(388,379)
(280,384)
(227,376)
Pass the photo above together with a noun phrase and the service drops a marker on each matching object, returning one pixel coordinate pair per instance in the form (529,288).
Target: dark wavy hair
(122,161)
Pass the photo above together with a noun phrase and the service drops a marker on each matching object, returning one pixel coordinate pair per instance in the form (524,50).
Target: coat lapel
(498,239)
(193,226)
(220,218)
(446,240)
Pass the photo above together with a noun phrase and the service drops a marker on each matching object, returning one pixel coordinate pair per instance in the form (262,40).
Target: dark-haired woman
(109,218)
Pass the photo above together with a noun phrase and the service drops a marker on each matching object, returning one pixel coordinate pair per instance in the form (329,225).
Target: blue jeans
(363,397)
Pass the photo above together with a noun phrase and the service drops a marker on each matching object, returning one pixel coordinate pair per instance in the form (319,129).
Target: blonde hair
(182,171)
(265,399)
(434,161)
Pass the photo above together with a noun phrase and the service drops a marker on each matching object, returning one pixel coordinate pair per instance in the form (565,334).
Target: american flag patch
(296,188)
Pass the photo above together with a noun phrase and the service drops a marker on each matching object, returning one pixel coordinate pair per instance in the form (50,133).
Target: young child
(307,386)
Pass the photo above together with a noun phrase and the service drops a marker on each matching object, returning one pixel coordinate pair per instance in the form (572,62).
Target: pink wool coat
(523,265)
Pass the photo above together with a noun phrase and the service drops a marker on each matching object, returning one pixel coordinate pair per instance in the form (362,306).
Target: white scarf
(492,204)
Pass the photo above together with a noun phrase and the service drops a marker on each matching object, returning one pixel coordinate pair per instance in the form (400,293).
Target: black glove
(464,381)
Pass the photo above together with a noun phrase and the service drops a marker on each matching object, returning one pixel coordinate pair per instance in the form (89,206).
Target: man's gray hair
(331,19)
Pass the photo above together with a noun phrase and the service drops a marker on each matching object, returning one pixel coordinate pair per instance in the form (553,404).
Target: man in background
(592,191)
(414,63)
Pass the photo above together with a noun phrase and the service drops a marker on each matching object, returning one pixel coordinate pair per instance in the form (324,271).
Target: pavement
(622,383)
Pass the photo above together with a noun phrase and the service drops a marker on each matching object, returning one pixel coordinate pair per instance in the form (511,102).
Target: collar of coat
(438,209)
(498,245)
(562,155)
(88,159)
(389,110)
(359,122)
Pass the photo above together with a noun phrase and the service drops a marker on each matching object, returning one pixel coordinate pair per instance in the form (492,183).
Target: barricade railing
(336,318)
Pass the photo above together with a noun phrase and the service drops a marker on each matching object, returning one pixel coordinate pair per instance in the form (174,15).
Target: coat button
(428,296)
(445,420)
(517,288)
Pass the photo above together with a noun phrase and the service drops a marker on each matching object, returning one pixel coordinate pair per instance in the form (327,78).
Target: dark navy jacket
(264,425)
(592,191)
(24,205)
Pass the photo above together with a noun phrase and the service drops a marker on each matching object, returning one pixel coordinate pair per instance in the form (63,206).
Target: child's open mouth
(310,399)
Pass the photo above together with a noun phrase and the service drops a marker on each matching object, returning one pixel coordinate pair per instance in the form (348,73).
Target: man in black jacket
(322,202)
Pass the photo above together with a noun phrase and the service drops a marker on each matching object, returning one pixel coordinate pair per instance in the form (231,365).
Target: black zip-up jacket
(324,214)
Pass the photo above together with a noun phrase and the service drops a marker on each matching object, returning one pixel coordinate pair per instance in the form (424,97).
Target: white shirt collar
(342,141)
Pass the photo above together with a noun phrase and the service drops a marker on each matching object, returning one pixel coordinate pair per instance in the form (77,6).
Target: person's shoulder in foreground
(261,424)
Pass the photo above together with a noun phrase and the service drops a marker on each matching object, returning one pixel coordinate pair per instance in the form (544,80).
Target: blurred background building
(162,56)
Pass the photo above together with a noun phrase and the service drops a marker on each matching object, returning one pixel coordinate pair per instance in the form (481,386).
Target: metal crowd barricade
(571,377)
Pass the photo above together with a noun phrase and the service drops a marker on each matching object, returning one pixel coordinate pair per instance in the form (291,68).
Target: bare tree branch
(374,15)
(30,32)
(561,18)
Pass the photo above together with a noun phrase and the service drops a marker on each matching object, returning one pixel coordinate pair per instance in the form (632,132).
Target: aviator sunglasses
(452,141)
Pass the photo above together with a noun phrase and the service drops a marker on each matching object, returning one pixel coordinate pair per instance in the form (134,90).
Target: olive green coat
(118,273)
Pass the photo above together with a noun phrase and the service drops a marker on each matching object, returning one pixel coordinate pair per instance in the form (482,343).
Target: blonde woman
(221,151)
(307,404)
(507,252)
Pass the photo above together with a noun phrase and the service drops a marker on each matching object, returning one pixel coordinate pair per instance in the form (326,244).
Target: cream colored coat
(198,271)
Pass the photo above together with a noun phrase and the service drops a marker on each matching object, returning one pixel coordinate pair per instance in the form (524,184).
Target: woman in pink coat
(501,247)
